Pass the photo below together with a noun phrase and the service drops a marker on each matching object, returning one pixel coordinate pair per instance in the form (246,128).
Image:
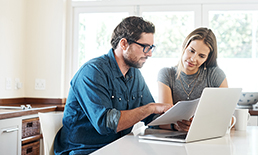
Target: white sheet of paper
(183,110)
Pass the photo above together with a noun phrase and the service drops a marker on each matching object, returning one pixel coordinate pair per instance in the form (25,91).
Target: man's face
(134,56)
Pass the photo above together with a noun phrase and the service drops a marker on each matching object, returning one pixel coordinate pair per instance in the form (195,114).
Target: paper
(183,110)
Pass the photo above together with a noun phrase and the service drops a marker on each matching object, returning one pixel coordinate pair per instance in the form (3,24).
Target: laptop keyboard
(177,136)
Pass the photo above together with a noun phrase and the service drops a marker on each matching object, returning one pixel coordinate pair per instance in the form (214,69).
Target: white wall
(45,25)
(32,46)
(12,19)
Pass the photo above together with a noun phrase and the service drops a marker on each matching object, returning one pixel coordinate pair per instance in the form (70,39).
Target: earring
(205,66)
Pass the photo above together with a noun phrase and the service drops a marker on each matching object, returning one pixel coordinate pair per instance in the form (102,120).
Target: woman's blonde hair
(209,39)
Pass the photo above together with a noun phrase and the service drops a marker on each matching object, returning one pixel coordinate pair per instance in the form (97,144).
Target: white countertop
(237,143)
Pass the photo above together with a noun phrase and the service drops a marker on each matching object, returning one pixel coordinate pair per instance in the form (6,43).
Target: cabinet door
(10,136)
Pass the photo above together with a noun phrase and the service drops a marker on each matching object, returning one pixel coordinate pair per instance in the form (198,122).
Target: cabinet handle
(10,130)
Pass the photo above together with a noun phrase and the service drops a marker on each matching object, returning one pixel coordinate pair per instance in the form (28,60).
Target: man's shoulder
(97,65)
(98,62)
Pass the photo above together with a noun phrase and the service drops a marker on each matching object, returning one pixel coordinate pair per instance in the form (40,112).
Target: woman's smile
(190,64)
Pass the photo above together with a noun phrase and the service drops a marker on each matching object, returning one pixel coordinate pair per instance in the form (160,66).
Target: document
(183,110)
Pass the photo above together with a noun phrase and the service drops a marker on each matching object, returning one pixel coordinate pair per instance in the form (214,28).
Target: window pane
(236,33)
(237,37)
(171,29)
(95,33)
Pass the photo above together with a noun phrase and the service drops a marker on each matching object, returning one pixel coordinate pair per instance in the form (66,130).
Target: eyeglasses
(146,48)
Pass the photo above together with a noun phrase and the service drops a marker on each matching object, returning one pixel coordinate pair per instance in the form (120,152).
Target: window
(94,35)
(236,29)
(235,26)
(93,28)
(172,23)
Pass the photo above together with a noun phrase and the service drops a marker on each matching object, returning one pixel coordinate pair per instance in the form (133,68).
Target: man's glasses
(146,48)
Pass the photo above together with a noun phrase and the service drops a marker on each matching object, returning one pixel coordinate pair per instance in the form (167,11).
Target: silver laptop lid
(213,113)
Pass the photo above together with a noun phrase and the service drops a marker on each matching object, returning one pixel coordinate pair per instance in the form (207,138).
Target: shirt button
(141,95)
(120,99)
(113,97)
(133,97)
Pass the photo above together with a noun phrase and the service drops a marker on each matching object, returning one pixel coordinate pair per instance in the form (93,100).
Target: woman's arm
(224,83)
(164,93)
(164,96)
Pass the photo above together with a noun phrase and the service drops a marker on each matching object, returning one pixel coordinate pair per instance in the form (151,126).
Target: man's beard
(129,61)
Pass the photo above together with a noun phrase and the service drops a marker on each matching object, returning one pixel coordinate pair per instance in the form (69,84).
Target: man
(108,94)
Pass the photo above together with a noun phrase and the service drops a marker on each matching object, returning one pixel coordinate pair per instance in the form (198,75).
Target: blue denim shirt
(98,93)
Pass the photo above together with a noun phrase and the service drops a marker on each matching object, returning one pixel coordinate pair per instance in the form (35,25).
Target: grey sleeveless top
(211,77)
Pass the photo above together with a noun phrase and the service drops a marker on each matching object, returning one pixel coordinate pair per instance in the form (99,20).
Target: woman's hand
(183,125)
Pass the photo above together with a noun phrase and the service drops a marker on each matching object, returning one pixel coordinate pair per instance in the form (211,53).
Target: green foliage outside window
(234,32)
(171,29)
(103,37)
(82,40)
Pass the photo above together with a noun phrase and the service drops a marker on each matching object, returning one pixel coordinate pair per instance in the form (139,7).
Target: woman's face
(194,56)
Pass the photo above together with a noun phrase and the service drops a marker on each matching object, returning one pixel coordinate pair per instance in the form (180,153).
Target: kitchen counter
(37,105)
(253,112)
(47,105)
(10,113)
(48,108)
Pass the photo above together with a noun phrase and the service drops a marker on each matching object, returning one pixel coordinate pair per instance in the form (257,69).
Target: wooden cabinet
(10,136)
(12,141)
(31,135)
(20,136)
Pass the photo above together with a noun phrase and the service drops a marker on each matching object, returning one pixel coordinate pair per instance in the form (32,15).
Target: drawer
(31,148)
(30,127)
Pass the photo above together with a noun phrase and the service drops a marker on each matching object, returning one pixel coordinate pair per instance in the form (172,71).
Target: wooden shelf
(31,138)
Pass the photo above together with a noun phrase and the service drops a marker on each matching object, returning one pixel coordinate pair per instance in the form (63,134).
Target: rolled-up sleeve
(113,117)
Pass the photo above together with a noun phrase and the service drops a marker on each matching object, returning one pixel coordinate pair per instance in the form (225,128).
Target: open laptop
(211,118)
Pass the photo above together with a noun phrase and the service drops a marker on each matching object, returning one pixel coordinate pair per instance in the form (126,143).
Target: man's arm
(129,117)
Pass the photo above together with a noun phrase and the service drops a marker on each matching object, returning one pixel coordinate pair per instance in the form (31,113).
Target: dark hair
(209,39)
(131,28)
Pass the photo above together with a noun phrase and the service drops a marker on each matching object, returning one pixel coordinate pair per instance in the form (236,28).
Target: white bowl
(248,98)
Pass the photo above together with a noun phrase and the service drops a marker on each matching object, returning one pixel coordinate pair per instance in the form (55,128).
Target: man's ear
(123,43)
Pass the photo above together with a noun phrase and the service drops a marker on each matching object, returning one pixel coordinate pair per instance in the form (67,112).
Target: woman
(196,70)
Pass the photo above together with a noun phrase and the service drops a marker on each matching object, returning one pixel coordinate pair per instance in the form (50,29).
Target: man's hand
(129,117)
(160,108)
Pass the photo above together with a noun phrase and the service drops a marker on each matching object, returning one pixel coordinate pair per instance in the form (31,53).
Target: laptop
(211,119)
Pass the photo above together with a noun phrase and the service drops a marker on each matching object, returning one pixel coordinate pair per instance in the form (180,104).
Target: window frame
(237,68)
(200,7)
(196,8)
(227,7)
(100,9)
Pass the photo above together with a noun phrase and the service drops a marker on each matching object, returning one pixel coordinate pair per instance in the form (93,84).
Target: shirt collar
(116,70)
